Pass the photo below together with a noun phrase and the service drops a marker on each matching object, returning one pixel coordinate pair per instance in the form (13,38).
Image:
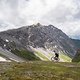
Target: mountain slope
(76,42)
(77,56)
(10,56)
(40,37)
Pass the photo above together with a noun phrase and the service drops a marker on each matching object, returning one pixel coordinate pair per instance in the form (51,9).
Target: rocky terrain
(39,39)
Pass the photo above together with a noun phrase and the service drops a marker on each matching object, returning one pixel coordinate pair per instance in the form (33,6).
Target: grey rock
(47,37)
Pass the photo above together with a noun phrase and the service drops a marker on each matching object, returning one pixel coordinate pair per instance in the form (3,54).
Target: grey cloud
(62,13)
(58,14)
(16,13)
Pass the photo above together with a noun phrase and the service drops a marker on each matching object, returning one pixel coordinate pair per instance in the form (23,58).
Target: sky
(63,14)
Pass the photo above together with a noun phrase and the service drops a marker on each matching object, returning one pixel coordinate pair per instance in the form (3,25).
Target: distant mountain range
(37,42)
(76,58)
(77,43)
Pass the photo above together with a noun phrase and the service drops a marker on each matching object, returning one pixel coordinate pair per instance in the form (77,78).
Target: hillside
(39,71)
(77,56)
(40,40)
(76,42)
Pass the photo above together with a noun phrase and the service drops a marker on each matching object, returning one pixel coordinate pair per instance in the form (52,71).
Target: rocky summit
(38,39)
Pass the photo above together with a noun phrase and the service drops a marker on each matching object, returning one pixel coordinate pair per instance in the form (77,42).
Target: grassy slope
(30,56)
(76,58)
(25,54)
(39,71)
(39,54)
(62,56)
(65,58)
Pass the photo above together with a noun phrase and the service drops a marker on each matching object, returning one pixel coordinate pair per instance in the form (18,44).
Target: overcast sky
(64,14)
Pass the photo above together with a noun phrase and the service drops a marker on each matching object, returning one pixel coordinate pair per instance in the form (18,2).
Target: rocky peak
(47,37)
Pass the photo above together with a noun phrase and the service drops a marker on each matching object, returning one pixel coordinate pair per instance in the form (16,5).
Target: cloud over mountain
(64,14)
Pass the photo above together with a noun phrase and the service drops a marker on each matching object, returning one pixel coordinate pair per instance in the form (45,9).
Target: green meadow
(39,70)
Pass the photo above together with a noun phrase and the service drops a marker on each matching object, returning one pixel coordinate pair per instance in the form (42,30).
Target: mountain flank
(37,40)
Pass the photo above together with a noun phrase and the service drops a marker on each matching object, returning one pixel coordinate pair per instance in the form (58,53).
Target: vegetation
(65,57)
(77,57)
(62,56)
(39,71)
(25,54)
(4,56)
(42,55)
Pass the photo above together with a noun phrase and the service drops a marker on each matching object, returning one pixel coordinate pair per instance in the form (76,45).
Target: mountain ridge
(38,36)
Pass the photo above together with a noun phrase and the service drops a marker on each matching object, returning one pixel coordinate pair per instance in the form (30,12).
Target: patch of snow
(4,45)
(3,59)
(7,40)
(55,46)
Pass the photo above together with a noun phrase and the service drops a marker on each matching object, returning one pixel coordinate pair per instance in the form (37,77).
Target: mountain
(38,42)
(77,56)
(77,43)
